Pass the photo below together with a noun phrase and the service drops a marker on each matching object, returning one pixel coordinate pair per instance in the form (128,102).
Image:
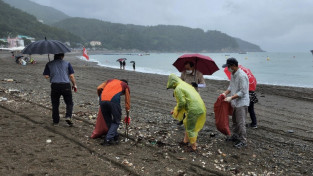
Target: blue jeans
(112,114)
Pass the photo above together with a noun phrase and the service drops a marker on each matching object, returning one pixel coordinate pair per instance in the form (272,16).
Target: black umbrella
(46,47)
(132,61)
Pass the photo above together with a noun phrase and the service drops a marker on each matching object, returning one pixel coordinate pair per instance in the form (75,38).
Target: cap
(230,61)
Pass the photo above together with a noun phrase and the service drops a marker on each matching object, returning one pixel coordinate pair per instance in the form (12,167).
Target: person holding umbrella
(61,73)
(191,76)
(190,104)
(134,65)
(193,67)
(239,99)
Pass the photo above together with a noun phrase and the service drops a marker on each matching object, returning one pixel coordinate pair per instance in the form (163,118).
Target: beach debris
(48,141)
(235,170)
(8,80)
(12,91)
(181,172)
(127,163)
(3,99)
(169,169)
(212,134)
(290,131)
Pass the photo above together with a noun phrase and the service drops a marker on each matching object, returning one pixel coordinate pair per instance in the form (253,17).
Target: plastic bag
(222,110)
(101,127)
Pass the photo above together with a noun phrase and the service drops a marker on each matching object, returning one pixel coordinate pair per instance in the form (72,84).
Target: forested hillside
(48,15)
(14,21)
(149,38)
(113,36)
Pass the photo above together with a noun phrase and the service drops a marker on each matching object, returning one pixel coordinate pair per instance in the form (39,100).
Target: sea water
(286,69)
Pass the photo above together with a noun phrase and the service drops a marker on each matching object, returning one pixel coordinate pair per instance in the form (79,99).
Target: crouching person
(110,93)
(189,103)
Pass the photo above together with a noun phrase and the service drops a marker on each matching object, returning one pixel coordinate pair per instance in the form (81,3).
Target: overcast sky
(274,25)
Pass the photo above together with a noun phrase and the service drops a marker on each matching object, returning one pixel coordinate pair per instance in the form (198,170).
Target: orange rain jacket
(112,89)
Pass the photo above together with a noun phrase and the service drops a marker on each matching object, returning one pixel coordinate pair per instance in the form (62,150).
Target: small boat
(243,52)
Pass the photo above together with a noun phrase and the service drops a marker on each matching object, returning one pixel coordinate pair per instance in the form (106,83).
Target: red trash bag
(222,110)
(101,127)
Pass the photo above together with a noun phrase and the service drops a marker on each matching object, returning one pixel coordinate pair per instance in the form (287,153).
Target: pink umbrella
(252,80)
(204,64)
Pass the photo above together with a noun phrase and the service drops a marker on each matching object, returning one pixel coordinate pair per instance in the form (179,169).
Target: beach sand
(282,144)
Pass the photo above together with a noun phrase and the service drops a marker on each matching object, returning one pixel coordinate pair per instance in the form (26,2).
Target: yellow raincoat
(190,103)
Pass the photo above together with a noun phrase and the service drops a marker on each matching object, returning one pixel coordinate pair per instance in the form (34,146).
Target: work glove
(127,120)
(228,99)
(195,85)
(74,88)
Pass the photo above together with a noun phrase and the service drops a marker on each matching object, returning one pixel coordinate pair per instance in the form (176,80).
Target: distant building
(18,41)
(95,43)
(15,42)
(27,37)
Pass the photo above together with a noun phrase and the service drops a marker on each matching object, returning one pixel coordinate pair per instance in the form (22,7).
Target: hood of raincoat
(173,81)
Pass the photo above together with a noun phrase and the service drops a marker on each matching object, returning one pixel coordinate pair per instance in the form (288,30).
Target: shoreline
(212,77)
(260,87)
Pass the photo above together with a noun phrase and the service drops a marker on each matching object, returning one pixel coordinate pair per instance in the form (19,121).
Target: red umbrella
(252,80)
(120,59)
(204,64)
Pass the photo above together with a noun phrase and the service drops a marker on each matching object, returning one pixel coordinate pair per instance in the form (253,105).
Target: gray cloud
(274,25)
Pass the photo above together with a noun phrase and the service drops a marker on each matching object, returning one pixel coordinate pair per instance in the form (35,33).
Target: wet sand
(282,144)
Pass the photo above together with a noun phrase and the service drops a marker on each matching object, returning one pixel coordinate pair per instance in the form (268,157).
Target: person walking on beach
(124,64)
(239,99)
(189,103)
(134,65)
(110,92)
(192,78)
(121,64)
(61,73)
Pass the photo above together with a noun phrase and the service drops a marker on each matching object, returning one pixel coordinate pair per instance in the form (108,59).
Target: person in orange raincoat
(110,93)
(189,103)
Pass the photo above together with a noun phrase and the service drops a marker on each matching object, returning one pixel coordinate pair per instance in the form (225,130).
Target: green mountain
(247,46)
(162,38)
(47,15)
(149,38)
(14,21)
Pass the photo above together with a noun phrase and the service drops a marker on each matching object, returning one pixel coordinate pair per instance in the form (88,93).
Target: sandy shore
(282,144)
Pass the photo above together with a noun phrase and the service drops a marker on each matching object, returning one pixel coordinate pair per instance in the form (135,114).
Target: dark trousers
(112,115)
(58,89)
(252,114)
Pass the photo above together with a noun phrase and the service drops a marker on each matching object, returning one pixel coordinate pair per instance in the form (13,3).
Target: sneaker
(250,125)
(231,139)
(55,124)
(116,138)
(180,123)
(69,121)
(109,142)
(240,144)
